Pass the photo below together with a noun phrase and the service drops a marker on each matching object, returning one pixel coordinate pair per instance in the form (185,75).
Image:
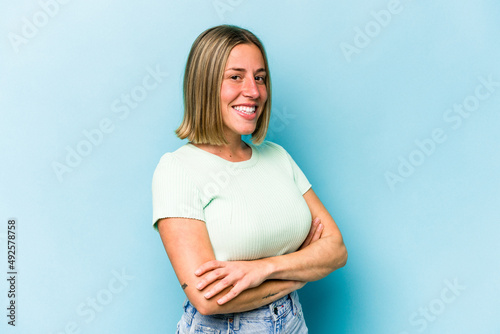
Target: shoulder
(170,163)
(275,154)
(174,157)
(275,151)
(268,147)
(167,161)
(278,152)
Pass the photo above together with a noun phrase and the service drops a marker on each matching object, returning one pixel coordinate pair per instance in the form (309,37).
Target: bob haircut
(206,63)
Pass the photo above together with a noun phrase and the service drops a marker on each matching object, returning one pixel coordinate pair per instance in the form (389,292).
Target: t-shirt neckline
(240,164)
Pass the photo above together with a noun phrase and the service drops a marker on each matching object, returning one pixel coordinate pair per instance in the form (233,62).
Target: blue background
(348,118)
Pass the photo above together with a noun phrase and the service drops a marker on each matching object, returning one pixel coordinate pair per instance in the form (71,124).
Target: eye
(260,79)
(235,77)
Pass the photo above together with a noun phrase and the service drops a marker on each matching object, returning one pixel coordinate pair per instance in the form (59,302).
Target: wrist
(269,268)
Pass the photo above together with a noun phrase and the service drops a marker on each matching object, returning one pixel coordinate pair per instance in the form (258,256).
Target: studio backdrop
(391,108)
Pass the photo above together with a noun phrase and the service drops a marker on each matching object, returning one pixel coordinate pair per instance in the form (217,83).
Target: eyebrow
(243,70)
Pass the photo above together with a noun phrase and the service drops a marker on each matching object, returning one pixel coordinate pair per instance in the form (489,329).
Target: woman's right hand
(239,275)
(314,233)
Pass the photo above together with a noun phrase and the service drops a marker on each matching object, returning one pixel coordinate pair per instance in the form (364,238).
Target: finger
(210,278)
(312,231)
(310,235)
(207,266)
(307,241)
(217,288)
(233,293)
(317,234)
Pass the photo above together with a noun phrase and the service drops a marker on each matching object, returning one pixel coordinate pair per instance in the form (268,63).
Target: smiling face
(243,91)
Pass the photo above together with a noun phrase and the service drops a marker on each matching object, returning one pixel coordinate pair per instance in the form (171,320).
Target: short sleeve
(298,176)
(174,192)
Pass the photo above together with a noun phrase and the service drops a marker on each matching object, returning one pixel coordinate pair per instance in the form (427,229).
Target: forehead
(245,55)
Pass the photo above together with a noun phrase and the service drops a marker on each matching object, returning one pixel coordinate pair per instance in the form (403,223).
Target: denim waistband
(273,311)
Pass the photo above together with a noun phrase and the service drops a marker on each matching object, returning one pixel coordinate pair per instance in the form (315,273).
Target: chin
(247,131)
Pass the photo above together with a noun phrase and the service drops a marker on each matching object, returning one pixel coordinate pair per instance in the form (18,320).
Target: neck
(235,146)
(236,150)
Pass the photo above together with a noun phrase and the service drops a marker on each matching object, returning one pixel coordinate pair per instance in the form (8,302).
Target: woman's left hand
(241,275)
(315,233)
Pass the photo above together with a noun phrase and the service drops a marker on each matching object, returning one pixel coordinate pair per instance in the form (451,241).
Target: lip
(245,105)
(243,115)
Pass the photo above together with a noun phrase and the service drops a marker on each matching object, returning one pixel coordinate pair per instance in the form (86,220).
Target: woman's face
(243,91)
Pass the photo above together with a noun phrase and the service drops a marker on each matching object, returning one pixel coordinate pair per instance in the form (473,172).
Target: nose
(250,88)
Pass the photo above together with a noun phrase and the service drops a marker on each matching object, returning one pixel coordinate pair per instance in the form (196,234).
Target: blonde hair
(202,122)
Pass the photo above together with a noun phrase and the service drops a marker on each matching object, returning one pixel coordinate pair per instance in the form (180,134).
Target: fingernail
(198,286)
(207,295)
(320,226)
(197,272)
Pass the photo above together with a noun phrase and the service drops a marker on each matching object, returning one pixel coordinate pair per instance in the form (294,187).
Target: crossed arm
(215,287)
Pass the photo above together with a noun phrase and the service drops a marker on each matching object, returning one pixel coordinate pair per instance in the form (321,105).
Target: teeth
(246,110)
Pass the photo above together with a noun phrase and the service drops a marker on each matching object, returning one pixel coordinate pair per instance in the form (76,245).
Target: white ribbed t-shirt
(252,209)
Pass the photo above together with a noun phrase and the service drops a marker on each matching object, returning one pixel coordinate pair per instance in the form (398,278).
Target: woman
(235,217)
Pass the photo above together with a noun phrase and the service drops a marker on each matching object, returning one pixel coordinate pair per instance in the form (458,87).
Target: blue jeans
(280,317)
